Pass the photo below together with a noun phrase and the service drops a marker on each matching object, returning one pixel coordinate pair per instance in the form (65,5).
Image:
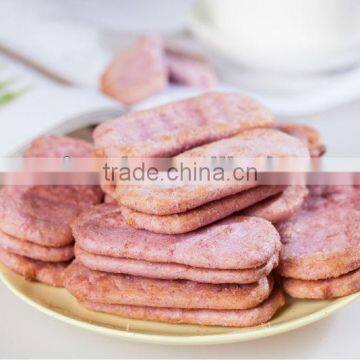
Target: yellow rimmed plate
(58,303)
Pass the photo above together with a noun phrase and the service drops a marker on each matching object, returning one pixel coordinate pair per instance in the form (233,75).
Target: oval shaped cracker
(236,318)
(170,129)
(172,271)
(137,72)
(200,216)
(279,207)
(255,143)
(234,243)
(307,134)
(101,287)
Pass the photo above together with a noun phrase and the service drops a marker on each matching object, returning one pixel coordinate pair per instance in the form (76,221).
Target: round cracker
(45,272)
(323,239)
(43,214)
(34,251)
(52,146)
(323,289)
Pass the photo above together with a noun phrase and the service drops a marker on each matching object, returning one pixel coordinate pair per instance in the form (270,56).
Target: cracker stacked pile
(202,253)
(218,275)
(178,254)
(321,254)
(35,235)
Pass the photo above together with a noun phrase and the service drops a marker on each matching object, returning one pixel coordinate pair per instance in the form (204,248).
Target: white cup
(283,35)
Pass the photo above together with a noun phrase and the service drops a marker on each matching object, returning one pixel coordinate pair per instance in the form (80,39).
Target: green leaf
(5,83)
(11,95)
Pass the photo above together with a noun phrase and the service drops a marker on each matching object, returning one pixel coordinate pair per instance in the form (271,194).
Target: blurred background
(301,58)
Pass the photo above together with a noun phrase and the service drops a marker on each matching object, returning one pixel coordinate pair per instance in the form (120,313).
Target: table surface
(25,332)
